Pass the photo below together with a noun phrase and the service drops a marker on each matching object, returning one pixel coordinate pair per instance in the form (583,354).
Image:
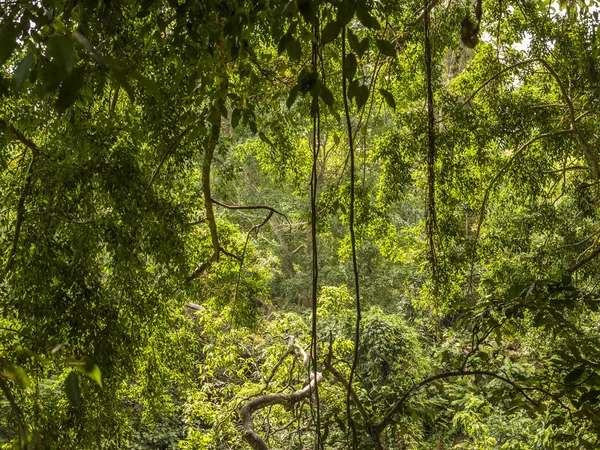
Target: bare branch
(287,400)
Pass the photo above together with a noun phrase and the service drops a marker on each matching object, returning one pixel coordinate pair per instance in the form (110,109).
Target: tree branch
(287,400)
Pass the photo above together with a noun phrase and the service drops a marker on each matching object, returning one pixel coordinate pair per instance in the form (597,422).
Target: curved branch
(287,400)
(250,207)
(35,151)
(15,409)
(505,167)
(389,416)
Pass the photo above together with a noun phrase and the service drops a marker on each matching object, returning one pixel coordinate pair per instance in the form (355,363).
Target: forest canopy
(273,224)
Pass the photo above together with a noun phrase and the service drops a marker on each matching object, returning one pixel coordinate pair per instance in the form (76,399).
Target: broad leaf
(69,89)
(388,97)
(72,389)
(350,65)
(22,71)
(16,373)
(87,367)
(330,32)
(386,48)
(8,41)
(61,50)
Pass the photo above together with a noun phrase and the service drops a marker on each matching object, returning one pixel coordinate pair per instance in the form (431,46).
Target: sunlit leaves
(87,367)
(15,373)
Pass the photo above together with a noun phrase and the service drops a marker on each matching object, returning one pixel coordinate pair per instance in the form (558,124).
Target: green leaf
(16,373)
(72,389)
(8,41)
(282,44)
(386,47)
(253,126)
(292,96)
(119,75)
(294,49)
(22,71)
(235,117)
(574,375)
(61,50)
(151,85)
(353,89)
(354,42)
(362,95)
(88,367)
(345,11)
(389,98)
(263,137)
(69,89)
(326,95)
(365,17)
(350,65)
(364,46)
(330,32)
(590,396)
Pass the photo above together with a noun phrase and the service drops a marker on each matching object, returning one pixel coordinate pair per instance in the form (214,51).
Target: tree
(409,191)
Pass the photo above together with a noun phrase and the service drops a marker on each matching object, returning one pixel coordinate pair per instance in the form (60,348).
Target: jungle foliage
(330,224)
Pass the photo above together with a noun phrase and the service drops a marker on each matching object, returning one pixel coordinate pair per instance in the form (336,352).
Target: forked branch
(287,400)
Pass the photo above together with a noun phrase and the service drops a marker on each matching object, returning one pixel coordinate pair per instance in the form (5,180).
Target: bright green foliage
(156,245)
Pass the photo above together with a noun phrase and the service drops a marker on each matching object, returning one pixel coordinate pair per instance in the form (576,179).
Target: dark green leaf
(388,97)
(365,17)
(364,46)
(353,89)
(292,97)
(61,50)
(330,32)
(263,137)
(294,49)
(350,65)
(345,11)
(362,95)
(282,44)
(574,375)
(72,389)
(8,41)
(354,42)
(22,71)
(386,48)
(326,95)
(151,85)
(253,126)
(69,89)
(87,367)
(590,396)
(119,75)
(235,117)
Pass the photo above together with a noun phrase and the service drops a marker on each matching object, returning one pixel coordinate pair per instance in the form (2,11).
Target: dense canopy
(273,224)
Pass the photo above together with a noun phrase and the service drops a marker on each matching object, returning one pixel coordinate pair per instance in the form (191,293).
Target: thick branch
(234,207)
(584,261)
(287,400)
